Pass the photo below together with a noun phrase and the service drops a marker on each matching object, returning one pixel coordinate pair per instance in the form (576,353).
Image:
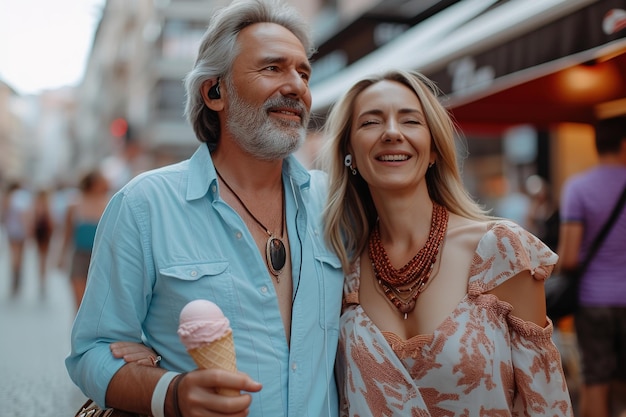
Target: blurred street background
(35,328)
(97,85)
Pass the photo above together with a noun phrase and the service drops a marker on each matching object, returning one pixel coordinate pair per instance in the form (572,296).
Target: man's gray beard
(261,136)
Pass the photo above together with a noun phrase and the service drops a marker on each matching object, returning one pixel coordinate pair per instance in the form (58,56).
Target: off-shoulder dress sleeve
(506,250)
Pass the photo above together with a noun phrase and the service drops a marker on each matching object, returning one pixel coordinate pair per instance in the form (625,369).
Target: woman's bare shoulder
(466,232)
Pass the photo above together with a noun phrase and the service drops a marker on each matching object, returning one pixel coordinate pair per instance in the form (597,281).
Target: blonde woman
(444,306)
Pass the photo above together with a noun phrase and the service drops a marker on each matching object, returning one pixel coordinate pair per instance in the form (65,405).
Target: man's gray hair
(218,51)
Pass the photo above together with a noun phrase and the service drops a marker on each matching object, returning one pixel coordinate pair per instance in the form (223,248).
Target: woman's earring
(431,165)
(347,161)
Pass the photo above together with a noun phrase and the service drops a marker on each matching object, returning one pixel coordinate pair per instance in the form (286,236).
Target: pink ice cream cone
(208,338)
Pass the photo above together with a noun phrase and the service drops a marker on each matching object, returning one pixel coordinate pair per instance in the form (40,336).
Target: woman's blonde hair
(350,213)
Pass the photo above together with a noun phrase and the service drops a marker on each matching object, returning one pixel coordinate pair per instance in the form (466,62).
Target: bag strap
(597,242)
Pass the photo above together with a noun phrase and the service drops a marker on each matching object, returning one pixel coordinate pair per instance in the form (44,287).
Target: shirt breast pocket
(201,280)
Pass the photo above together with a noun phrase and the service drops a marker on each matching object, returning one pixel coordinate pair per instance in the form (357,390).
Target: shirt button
(294,366)
(214,188)
(263,289)
(238,235)
(194,273)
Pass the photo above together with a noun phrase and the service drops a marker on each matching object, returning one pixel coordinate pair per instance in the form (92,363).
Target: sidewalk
(35,341)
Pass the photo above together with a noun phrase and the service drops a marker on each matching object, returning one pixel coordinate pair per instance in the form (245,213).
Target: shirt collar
(202,173)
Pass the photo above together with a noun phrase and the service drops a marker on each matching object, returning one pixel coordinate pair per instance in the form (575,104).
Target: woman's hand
(135,352)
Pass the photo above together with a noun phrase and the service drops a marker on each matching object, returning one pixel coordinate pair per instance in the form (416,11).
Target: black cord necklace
(275,252)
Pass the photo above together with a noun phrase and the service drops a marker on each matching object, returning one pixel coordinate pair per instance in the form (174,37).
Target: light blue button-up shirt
(168,238)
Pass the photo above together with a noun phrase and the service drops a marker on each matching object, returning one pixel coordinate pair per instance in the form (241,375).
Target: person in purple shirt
(586,203)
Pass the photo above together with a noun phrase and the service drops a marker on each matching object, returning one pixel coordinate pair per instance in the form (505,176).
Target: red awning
(520,61)
(571,70)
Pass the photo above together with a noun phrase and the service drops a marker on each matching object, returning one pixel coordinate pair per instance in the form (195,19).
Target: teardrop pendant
(275,255)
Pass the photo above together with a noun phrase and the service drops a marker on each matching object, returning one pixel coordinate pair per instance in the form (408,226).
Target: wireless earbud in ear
(214,91)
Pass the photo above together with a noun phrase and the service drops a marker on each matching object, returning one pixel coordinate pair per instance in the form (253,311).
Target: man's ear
(212,95)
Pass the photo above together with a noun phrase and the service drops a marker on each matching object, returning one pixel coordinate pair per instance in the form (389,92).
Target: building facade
(523,79)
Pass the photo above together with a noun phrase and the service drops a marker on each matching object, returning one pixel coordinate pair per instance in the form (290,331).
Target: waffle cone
(219,354)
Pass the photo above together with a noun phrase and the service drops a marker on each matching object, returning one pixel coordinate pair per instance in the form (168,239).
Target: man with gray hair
(239,224)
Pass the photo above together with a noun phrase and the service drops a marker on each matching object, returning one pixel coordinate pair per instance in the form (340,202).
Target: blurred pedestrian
(43,227)
(514,204)
(542,217)
(81,220)
(586,204)
(17,220)
(60,199)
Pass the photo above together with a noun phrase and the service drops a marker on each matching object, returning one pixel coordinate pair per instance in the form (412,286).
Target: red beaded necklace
(403,286)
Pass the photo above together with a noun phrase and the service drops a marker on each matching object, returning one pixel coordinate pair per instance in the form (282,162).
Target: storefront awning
(512,63)
(418,39)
